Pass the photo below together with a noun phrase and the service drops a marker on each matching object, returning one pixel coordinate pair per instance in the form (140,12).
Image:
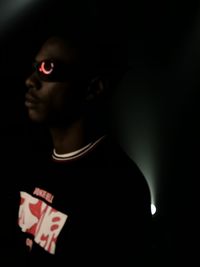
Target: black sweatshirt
(91,208)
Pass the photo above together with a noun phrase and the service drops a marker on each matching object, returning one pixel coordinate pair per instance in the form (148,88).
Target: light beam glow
(153,209)
(13,10)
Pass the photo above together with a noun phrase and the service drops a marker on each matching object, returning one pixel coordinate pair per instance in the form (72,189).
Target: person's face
(53,100)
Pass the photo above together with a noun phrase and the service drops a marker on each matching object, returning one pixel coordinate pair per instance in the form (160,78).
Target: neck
(66,140)
(78,135)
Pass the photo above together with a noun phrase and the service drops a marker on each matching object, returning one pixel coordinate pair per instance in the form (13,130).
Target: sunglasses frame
(57,71)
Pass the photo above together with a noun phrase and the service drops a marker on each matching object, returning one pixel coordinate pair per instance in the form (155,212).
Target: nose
(33,82)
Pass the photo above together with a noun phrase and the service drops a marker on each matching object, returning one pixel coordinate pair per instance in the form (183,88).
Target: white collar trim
(77,153)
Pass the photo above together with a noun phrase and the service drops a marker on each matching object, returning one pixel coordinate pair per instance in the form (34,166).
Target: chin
(35,116)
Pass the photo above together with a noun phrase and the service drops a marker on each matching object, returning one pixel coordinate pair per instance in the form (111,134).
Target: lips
(31,101)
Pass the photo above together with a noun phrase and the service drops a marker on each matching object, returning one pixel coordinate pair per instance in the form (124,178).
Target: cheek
(63,98)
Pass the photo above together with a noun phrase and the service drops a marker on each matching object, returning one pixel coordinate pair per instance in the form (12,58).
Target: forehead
(56,48)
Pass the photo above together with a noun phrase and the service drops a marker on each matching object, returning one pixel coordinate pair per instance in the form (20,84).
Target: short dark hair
(100,52)
(97,55)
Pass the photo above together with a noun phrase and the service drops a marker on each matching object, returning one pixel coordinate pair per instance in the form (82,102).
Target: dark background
(156,107)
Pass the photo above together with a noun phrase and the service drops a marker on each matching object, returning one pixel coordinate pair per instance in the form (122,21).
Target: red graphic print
(40,220)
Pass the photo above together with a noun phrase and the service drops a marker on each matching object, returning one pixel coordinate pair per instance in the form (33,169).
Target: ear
(95,89)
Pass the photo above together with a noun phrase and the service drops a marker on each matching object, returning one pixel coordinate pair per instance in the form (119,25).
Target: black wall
(156,109)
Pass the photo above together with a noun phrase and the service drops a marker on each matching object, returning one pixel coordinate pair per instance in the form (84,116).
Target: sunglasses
(56,71)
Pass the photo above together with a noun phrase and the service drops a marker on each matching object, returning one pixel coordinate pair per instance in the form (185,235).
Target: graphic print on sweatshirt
(40,220)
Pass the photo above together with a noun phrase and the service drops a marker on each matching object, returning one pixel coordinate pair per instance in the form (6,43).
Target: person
(87,202)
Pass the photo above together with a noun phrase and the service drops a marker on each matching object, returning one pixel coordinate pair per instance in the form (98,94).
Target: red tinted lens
(46,67)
